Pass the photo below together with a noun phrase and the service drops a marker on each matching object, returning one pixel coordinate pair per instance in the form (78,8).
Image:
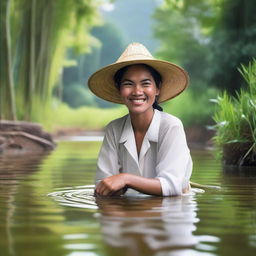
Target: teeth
(138,101)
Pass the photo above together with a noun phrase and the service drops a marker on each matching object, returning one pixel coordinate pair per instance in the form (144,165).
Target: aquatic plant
(235,119)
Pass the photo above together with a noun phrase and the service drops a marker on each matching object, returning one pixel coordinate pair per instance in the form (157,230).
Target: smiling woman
(145,151)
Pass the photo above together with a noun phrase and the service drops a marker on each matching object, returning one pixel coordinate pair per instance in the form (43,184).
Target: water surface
(47,207)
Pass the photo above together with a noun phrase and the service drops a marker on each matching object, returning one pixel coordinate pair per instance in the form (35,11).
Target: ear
(157,91)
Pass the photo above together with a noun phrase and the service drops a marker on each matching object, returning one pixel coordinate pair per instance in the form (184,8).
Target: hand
(115,185)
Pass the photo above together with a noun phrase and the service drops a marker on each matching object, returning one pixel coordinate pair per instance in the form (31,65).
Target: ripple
(80,197)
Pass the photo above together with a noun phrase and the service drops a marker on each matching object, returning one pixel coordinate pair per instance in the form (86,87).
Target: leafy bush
(235,120)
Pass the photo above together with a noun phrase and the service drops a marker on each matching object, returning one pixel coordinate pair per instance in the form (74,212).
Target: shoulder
(116,124)
(115,127)
(171,130)
(169,121)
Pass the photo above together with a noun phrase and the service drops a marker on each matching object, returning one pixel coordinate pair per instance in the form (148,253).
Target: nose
(137,90)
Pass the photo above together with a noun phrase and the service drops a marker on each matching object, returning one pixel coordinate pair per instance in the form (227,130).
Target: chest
(138,141)
(143,164)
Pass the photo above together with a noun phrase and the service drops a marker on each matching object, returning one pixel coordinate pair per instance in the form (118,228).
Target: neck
(141,121)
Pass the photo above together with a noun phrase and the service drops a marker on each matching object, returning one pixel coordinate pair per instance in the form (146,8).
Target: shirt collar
(152,133)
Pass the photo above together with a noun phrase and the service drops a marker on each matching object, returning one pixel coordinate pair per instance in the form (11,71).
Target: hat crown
(135,51)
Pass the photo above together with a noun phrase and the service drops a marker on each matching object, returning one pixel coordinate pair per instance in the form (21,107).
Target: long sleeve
(108,163)
(174,164)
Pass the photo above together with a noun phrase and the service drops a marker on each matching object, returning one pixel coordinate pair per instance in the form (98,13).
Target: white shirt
(164,152)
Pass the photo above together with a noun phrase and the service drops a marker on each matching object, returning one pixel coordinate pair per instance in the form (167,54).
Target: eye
(146,83)
(126,84)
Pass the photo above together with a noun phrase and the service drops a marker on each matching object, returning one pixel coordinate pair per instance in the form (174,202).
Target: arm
(173,170)
(117,184)
(174,164)
(108,163)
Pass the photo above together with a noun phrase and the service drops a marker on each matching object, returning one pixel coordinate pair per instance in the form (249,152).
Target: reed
(235,119)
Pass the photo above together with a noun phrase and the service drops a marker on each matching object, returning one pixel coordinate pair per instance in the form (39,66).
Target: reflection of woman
(146,150)
(143,226)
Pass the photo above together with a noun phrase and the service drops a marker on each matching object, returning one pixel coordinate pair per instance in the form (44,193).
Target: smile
(137,101)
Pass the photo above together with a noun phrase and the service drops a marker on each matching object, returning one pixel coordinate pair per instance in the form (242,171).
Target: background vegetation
(49,49)
(236,121)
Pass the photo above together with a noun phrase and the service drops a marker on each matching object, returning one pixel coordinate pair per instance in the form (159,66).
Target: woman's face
(138,89)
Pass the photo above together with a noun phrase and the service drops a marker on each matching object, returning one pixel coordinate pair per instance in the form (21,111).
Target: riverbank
(197,136)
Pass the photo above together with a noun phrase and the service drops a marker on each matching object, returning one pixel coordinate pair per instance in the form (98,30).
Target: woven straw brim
(174,80)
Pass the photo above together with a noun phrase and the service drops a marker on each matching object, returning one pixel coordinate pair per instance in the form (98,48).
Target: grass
(235,117)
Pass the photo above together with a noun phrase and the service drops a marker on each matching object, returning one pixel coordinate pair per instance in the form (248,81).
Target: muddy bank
(18,137)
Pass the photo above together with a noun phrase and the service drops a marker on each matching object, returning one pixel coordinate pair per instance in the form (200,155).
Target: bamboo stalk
(8,107)
(31,82)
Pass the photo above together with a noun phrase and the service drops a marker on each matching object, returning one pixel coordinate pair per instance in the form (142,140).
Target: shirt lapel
(128,139)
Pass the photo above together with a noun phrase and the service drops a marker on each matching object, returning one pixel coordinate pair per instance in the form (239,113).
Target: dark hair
(154,73)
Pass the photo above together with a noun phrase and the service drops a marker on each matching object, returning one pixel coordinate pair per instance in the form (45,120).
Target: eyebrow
(144,80)
(127,80)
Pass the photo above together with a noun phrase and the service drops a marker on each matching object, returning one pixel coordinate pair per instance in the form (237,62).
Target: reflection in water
(141,225)
(32,223)
(145,225)
(13,169)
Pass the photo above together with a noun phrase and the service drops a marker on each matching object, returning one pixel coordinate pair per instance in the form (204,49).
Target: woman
(146,150)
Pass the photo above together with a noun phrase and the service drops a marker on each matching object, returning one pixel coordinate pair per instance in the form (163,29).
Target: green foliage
(184,30)
(191,110)
(235,117)
(134,18)
(233,42)
(62,116)
(112,42)
(40,33)
(76,96)
(208,38)
(107,50)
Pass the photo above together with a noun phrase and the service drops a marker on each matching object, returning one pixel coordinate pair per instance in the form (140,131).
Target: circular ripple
(81,197)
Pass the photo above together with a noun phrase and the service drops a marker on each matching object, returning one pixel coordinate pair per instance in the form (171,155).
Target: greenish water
(71,222)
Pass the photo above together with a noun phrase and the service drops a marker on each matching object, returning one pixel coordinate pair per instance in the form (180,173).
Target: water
(47,207)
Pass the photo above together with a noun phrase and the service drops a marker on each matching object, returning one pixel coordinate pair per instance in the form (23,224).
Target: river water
(47,207)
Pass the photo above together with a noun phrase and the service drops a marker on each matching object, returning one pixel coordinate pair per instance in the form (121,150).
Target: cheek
(124,92)
(152,91)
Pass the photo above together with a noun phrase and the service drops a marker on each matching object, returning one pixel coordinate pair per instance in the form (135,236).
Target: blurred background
(50,48)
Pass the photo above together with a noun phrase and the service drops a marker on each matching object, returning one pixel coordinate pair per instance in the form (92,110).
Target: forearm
(114,184)
(150,186)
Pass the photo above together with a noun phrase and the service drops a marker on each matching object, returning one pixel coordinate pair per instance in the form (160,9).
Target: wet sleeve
(174,164)
(107,164)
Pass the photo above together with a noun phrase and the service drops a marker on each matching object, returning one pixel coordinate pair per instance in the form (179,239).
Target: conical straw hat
(174,78)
